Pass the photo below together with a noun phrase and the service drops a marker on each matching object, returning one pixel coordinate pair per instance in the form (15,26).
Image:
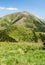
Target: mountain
(22,26)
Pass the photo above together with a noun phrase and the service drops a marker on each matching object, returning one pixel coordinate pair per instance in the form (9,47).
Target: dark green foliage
(5,37)
(42,37)
(35,37)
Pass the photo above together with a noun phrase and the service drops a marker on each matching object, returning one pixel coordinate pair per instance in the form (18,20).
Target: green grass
(21,54)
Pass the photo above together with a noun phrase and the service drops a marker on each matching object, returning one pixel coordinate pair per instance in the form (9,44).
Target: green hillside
(22,26)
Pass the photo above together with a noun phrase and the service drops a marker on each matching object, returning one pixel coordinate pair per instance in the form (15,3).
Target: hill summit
(22,26)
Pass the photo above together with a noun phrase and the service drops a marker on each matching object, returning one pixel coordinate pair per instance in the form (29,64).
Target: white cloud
(9,8)
(2,8)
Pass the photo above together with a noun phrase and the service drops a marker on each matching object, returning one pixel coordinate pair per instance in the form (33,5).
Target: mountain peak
(25,13)
(22,26)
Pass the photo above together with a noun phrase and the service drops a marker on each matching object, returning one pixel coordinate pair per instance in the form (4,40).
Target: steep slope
(23,26)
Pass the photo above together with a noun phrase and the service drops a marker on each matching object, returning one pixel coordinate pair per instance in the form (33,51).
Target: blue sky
(36,7)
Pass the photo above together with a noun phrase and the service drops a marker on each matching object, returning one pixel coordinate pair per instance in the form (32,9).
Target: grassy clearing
(21,54)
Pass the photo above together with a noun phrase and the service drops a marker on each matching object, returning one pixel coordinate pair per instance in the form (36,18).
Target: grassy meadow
(21,53)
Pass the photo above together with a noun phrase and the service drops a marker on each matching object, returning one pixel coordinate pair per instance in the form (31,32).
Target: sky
(36,7)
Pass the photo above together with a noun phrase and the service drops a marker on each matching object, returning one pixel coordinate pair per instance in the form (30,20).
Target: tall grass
(22,53)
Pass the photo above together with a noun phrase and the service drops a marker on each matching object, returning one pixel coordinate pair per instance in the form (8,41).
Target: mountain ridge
(23,26)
